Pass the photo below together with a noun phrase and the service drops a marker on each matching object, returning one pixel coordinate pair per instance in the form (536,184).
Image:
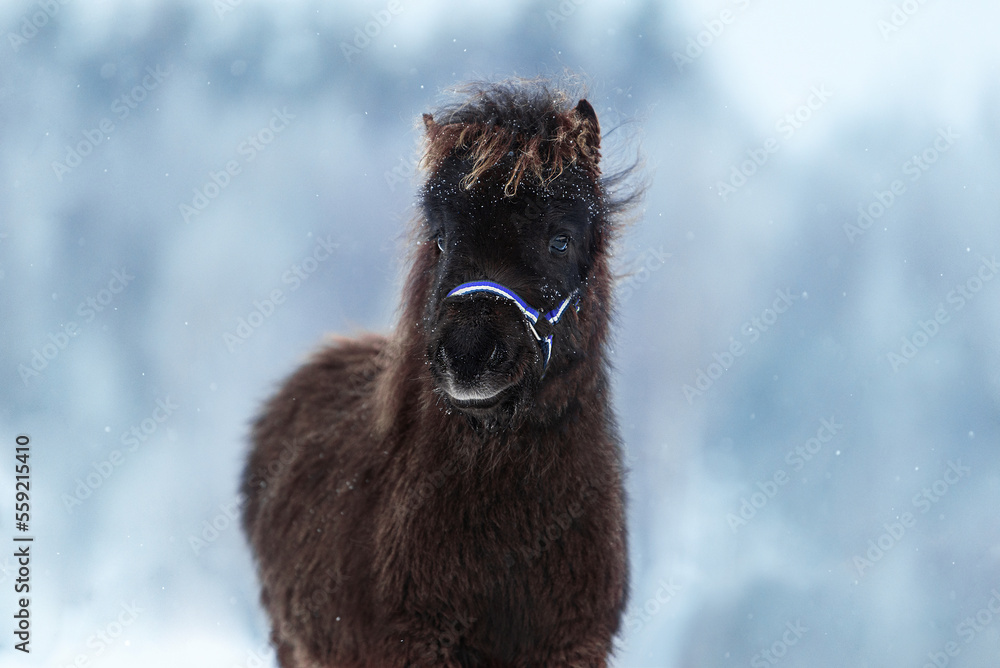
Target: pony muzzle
(474,361)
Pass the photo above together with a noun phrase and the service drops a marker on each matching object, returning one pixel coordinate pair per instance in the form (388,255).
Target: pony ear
(429,123)
(587,115)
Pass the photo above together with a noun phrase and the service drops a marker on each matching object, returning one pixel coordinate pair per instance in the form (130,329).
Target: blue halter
(532,316)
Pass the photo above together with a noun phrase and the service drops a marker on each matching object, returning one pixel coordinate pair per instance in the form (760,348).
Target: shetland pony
(451,495)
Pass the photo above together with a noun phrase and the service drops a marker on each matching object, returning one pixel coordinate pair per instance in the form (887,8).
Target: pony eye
(440,242)
(559,244)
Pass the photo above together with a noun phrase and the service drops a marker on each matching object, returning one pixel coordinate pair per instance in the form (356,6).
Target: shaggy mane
(520,117)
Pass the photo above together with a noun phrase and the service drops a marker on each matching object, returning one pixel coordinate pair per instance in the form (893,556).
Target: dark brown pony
(452,495)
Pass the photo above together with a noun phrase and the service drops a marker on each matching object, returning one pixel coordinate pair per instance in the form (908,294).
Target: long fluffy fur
(387,529)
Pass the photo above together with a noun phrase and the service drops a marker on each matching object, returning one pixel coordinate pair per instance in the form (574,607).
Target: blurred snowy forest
(808,335)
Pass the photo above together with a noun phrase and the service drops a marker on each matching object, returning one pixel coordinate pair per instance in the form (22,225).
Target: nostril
(497,357)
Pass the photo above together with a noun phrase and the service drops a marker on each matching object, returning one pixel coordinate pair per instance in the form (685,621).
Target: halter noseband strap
(533,317)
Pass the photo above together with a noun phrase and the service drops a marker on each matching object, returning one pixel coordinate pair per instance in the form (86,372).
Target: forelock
(535,124)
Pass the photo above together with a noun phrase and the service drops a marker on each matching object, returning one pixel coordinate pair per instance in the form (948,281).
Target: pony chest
(476,539)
